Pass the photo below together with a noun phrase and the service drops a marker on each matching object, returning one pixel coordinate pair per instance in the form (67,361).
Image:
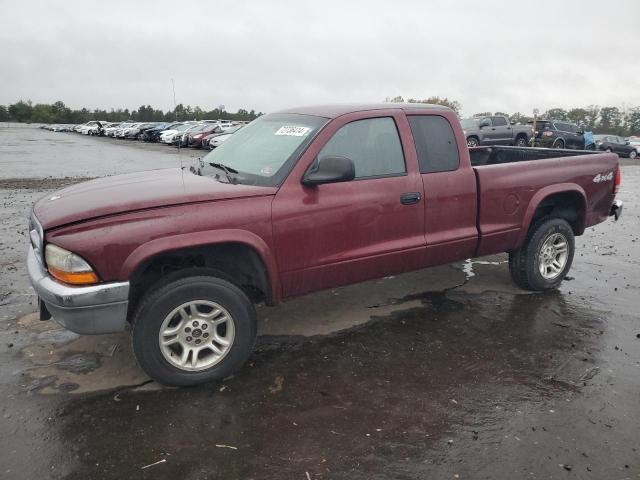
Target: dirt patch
(40,183)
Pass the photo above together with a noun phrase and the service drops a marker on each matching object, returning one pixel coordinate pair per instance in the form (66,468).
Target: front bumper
(616,209)
(86,310)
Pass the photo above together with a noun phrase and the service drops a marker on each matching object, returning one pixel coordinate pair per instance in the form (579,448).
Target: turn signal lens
(618,180)
(68,267)
(88,278)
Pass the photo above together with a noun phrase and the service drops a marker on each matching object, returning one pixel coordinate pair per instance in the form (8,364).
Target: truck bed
(481,156)
(511,180)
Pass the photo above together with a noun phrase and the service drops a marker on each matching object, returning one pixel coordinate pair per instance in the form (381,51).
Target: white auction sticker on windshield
(293,131)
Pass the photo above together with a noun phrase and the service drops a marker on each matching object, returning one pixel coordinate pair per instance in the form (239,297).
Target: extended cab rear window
(435,143)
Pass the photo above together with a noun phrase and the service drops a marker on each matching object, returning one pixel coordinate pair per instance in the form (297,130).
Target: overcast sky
(266,55)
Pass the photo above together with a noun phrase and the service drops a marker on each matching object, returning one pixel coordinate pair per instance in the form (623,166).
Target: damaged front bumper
(87,310)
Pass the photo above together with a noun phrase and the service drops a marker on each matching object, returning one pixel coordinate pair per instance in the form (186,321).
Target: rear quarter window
(435,143)
(499,121)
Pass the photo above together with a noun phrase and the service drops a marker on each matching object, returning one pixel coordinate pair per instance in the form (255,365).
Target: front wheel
(472,142)
(633,154)
(193,330)
(546,256)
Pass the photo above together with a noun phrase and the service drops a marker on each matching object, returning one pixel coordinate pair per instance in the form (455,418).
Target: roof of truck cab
(333,111)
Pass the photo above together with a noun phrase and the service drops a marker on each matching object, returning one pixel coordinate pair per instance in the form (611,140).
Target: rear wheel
(472,142)
(545,257)
(559,144)
(521,141)
(633,154)
(193,330)
(608,150)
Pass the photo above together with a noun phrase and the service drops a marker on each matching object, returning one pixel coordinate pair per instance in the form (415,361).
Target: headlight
(68,267)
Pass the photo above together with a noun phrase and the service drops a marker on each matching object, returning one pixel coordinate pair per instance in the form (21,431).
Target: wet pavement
(450,372)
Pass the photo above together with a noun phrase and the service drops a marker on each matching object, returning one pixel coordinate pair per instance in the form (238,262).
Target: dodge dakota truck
(298,201)
(495,130)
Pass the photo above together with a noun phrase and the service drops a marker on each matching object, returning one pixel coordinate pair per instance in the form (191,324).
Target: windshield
(469,122)
(263,152)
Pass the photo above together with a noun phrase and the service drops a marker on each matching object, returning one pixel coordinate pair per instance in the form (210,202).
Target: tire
(521,141)
(633,154)
(526,263)
(608,150)
(160,310)
(559,144)
(472,142)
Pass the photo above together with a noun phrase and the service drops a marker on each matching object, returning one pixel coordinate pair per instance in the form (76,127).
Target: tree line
(593,117)
(58,112)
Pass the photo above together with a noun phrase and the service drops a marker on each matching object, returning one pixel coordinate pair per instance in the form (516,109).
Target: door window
(435,143)
(372,144)
(499,121)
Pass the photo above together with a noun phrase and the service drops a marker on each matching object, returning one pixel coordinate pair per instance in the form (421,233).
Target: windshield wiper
(227,171)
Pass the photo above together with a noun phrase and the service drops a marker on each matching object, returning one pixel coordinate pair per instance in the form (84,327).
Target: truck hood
(135,191)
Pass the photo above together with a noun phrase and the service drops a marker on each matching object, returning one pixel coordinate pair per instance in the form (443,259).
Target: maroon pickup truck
(299,201)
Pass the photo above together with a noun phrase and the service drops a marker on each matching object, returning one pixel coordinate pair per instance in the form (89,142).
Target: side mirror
(485,123)
(329,170)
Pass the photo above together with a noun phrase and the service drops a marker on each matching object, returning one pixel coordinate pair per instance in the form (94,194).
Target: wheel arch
(473,135)
(560,140)
(252,260)
(567,200)
(521,135)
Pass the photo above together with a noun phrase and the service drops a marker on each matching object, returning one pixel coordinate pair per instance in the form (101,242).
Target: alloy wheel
(196,335)
(553,256)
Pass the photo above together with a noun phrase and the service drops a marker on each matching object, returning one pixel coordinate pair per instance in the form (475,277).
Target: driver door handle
(410,198)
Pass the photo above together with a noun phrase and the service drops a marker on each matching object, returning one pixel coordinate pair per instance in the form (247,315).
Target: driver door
(340,233)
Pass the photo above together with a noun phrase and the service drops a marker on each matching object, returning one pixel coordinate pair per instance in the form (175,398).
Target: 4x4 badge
(603,177)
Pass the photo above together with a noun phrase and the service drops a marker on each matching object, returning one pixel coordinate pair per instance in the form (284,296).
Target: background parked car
(217,140)
(106,126)
(495,130)
(558,134)
(91,128)
(207,141)
(167,135)
(616,144)
(117,132)
(110,130)
(181,139)
(635,142)
(137,130)
(196,136)
(152,134)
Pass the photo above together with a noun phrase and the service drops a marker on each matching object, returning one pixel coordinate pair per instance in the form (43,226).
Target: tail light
(617,181)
